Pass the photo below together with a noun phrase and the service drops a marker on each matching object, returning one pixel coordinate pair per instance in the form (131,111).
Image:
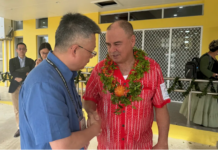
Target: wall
(208,21)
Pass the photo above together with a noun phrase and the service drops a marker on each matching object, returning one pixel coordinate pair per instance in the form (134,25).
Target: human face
(43,53)
(216,53)
(119,44)
(85,51)
(21,50)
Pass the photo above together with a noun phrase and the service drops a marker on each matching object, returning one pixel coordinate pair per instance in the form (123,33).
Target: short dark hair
(20,44)
(44,45)
(213,46)
(125,25)
(73,26)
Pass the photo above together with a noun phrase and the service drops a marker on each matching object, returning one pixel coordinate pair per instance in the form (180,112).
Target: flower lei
(123,95)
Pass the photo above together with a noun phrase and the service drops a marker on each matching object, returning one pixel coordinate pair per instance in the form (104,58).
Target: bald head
(125,25)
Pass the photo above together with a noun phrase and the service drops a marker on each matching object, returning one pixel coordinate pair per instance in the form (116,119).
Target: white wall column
(5,59)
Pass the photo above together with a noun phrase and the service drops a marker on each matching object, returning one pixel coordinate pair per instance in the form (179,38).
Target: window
(144,15)
(41,39)
(1,58)
(113,17)
(183,11)
(16,41)
(42,23)
(18,25)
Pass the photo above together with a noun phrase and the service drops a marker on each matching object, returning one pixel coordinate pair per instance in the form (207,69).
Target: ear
(73,49)
(133,40)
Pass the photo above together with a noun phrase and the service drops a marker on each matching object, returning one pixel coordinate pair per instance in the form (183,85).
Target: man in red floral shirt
(122,90)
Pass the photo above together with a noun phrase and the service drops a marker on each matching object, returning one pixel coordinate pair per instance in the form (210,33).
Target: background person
(15,64)
(44,49)
(204,110)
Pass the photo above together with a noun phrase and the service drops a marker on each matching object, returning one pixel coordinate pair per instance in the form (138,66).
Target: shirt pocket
(147,93)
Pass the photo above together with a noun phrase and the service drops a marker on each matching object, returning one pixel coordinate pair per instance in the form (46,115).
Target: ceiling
(33,9)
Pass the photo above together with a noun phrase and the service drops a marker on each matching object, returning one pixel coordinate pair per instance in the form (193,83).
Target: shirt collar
(21,58)
(66,72)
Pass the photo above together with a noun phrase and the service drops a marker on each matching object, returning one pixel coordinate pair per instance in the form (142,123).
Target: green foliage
(82,77)
(204,92)
(193,83)
(6,76)
(175,82)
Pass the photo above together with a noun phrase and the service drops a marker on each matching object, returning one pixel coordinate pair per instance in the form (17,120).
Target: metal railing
(191,92)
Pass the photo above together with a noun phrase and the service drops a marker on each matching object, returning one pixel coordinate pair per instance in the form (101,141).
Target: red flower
(104,70)
(110,62)
(109,75)
(126,92)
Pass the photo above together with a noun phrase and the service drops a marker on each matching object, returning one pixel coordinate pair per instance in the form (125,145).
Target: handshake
(94,121)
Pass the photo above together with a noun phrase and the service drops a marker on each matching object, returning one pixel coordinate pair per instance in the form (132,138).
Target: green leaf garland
(193,84)
(134,90)
(6,76)
(175,82)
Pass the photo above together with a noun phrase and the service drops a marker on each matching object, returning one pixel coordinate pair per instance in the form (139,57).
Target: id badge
(82,123)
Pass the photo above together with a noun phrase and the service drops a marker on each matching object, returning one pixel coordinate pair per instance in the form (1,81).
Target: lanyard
(65,83)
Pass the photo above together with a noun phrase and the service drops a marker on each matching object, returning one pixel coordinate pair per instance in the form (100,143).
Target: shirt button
(124,83)
(123,139)
(124,111)
(123,125)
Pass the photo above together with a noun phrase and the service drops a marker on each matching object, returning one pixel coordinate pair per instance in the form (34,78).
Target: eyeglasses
(44,53)
(20,49)
(93,53)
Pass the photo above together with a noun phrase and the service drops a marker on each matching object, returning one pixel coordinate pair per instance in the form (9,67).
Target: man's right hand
(91,117)
(18,79)
(94,120)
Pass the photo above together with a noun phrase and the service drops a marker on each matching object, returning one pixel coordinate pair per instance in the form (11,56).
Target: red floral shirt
(131,129)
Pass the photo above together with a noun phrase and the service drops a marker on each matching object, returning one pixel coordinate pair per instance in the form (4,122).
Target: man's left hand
(160,146)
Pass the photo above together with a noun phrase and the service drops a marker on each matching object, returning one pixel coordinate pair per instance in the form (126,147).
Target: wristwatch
(216,75)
